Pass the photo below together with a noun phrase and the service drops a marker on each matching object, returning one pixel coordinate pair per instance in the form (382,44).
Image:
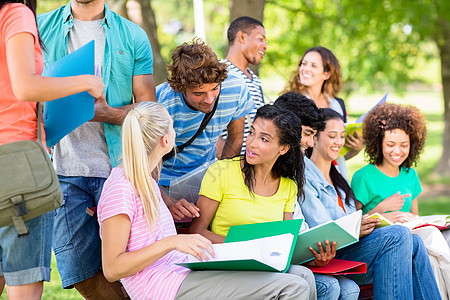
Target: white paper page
(272,251)
(439,220)
(413,223)
(351,223)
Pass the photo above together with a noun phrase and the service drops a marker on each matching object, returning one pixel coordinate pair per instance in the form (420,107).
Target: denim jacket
(321,200)
(127,53)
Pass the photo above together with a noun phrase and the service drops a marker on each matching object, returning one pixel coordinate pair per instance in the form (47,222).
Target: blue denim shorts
(76,240)
(27,259)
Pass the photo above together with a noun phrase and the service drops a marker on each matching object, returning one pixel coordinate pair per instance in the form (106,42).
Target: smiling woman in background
(318,77)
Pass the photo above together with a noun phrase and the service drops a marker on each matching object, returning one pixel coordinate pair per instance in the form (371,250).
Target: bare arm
(235,137)
(118,263)
(219,147)
(288,215)
(29,86)
(143,90)
(415,207)
(200,225)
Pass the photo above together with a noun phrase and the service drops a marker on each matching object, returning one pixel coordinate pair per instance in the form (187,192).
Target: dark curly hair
(332,85)
(309,114)
(390,116)
(193,65)
(289,165)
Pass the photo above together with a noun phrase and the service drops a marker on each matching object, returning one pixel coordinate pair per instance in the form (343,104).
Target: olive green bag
(29,185)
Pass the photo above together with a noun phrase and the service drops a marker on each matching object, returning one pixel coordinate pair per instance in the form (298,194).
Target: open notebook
(253,247)
(345,231)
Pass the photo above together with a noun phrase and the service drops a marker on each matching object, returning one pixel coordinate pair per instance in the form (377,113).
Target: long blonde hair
(142,130)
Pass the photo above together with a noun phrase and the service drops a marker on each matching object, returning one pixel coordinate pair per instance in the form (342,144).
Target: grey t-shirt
(84,151)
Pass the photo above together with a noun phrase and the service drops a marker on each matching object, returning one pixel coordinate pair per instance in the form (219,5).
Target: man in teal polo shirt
(84,158)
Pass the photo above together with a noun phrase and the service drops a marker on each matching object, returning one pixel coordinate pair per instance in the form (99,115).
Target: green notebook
(350,129)
(253,247)
(345,231)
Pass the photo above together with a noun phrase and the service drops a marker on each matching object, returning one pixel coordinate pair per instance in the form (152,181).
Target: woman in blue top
(397,262)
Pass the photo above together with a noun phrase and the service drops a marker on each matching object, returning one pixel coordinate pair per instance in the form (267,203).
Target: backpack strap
(344,110)
(205,121)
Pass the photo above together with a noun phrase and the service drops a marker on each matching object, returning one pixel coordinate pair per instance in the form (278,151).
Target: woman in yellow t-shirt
(262,186)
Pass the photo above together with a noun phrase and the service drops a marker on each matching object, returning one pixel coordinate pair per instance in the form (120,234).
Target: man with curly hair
(200,86)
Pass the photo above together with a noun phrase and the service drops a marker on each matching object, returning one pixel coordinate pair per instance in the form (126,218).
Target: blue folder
(63,115)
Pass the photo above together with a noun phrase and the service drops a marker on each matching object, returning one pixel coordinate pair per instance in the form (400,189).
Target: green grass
(434,205)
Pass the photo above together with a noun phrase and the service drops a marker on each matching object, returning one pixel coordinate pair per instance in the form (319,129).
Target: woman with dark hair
(25,261)
(397,262)
(261,186)
(318,77)
(394,136)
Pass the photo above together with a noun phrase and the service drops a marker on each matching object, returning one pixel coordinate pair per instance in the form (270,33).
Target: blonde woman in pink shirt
(139,242)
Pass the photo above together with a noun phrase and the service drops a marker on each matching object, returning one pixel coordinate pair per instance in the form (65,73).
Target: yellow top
(224,183)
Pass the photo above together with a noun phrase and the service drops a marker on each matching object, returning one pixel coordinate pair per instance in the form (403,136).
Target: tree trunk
(119,6)
(141,13)
(250,8)
(443,167)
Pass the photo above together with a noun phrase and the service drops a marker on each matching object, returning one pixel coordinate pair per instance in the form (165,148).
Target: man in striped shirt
(247,45)
(196,82)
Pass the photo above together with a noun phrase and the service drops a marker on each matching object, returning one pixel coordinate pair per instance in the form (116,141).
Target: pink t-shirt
(18,119)
(162,279)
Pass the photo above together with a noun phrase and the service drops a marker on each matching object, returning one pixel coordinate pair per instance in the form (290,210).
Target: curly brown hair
(332,85)
(390,116)
(193,65)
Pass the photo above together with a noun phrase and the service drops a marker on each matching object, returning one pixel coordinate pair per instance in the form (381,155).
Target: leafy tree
(377,42)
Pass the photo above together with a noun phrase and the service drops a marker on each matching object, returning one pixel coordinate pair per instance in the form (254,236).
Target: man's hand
(101,109)
(324,257)
(184,209)
(368,225)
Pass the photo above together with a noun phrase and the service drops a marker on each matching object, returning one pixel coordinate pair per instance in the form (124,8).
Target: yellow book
(350,129)
(384,221)
(357,126)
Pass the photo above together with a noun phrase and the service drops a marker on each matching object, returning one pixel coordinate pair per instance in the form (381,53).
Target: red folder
(446,226)
(341,267)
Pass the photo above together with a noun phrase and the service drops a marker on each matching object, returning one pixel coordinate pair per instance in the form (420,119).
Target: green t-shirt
(371,186)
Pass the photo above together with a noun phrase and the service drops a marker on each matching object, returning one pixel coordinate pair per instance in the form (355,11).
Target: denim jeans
(397,264)
(76,240)
(336,287)
(26,259)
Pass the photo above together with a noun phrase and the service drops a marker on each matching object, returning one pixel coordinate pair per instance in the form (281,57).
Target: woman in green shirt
(395,136)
